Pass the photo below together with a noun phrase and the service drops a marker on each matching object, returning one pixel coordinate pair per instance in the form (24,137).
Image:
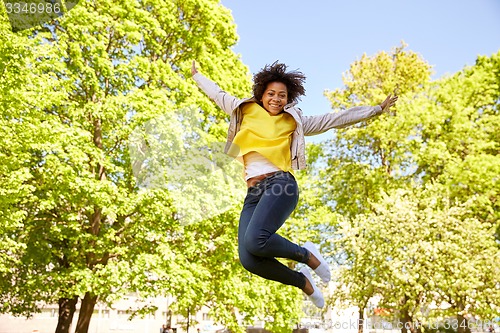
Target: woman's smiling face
(275,97)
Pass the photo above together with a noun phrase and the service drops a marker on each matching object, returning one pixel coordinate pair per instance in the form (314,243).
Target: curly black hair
(276,72)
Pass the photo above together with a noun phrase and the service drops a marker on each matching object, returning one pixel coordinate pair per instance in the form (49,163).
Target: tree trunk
(89,300)
(405,320)
(463,323)
(86,311)
(408,325)
(361,320)
(67,307)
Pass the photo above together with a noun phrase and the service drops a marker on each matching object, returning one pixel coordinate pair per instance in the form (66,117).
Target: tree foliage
(78,221)
(439,147)
(427,256)
(372,155)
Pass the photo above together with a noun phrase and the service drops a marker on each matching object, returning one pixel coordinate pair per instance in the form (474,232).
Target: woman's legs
(266,207)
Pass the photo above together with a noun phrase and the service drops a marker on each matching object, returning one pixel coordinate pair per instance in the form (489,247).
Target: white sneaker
(316,297)
(323,270)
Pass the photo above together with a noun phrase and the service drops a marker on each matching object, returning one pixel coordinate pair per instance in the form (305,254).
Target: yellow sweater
(266,134)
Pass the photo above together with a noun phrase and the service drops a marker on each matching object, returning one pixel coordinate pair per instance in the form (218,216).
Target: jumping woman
(267,132)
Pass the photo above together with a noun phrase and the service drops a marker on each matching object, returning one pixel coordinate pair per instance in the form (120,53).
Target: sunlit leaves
(439,145)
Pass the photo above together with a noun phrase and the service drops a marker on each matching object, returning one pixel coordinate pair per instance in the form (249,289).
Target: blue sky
(323,37)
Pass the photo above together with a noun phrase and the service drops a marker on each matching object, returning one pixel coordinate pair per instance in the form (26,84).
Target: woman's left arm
(318,124)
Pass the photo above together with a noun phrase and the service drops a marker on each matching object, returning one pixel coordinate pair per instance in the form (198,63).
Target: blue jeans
(267,205)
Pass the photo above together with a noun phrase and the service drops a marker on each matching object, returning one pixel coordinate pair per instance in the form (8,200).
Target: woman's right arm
(224,100)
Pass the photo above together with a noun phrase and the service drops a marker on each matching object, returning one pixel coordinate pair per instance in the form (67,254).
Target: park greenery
(100,121)
(417,190)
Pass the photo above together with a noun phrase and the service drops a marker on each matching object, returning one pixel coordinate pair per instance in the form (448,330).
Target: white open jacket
(306,125)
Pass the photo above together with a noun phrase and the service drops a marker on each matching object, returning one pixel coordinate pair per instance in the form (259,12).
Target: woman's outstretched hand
(388,103)
(193,68)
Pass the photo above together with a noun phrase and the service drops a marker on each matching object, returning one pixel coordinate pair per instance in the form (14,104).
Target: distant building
(113,320)
(116,319)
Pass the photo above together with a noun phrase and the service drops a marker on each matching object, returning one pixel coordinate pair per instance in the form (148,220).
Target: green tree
(371,156)
(363,160)
(457,145)
(431,257)
(457,140)
(443,131)
(105,114)
(25,130)
(80,225)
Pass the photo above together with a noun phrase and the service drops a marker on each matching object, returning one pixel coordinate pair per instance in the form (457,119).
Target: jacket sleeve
(318,124)
(224,100)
